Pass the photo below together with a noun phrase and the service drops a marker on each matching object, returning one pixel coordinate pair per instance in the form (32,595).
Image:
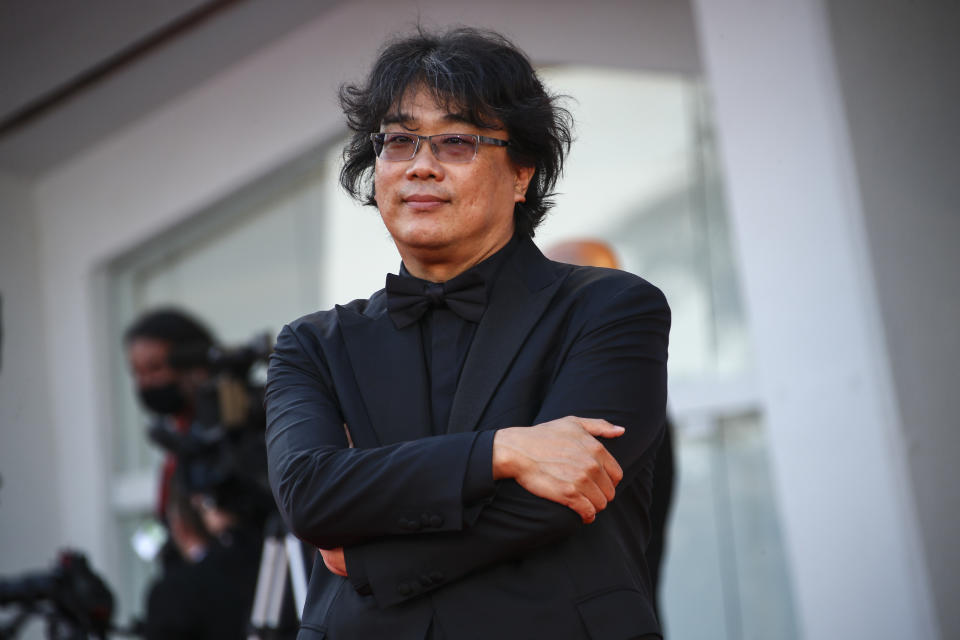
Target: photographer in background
(213,495)
(162,389)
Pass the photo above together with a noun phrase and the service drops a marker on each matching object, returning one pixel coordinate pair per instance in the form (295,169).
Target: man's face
(149,364)
(162,388)
(450,213)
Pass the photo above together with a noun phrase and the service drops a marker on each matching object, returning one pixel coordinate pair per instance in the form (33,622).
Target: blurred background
(787,172)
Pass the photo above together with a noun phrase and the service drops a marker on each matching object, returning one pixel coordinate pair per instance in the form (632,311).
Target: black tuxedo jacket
(353,464)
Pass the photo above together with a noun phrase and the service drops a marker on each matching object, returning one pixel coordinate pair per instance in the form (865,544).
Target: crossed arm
(560,460)
(553,476)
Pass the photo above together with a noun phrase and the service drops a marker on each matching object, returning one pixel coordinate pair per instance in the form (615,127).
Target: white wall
(901,107)
(811,295)
(29,501)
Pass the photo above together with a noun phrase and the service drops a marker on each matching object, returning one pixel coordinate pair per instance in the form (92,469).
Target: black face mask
(165,400)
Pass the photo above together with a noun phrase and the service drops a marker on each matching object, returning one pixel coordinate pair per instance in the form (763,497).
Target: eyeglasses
(446,147)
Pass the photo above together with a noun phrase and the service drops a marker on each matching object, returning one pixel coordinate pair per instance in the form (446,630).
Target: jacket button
(436,521)
(436,577)
(426,581)
(404,589)
(425,519)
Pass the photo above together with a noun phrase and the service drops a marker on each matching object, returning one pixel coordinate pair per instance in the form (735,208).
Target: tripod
(282,553)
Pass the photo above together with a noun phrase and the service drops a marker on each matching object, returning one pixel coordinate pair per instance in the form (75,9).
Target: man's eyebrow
(395,118)
(398,117)
(459,118)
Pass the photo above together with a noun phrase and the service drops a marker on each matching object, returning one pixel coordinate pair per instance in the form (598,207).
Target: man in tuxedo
(471,447)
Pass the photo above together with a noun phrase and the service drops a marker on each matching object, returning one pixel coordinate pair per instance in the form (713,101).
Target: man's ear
(522,179)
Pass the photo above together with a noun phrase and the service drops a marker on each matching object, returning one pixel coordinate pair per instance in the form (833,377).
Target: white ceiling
(47,47)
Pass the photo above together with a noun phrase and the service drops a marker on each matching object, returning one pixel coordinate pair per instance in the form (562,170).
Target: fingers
(598,427)
(585,498)
(613,472)
(334,560)
(562,461)
(611,467)
(584,509)
(605,483)
(585,486)
(594,501)
(598,487)
(608,473)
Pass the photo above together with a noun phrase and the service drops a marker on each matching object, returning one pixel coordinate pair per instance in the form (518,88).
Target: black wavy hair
(171,325)
(489,81)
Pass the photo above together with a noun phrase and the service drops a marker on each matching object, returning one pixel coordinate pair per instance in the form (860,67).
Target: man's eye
(397,139)
(456,140)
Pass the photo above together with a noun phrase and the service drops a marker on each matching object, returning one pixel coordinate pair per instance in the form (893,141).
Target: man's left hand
(561,461)
(335,561)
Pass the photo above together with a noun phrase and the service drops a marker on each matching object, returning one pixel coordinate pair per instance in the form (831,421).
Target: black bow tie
(408,298)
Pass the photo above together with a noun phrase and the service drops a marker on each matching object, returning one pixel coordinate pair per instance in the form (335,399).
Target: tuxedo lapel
(389,370)
(519,298)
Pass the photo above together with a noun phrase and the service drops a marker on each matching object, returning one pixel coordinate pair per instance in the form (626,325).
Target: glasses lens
(454,147)
(398,146)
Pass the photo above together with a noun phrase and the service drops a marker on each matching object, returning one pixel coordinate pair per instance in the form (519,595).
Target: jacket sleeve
(616,370)
(332,495)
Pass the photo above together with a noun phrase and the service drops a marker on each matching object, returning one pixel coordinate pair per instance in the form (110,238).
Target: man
(181,377)
(162,388)
(210,500)
(438,441)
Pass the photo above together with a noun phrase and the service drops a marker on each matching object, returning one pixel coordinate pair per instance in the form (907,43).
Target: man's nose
(425,164)
(144,380)
(150,378)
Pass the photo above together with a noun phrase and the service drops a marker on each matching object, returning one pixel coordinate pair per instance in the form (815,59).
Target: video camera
(76,602)
(223,454)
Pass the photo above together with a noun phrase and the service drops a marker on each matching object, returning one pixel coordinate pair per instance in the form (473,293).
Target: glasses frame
(378,141)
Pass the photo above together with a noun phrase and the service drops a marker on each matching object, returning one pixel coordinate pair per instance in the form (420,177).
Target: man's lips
(423,201)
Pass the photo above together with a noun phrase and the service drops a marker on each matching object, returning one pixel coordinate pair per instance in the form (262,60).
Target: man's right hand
(562,461)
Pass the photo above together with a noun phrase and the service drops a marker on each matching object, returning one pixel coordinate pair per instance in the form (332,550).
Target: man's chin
(425,240)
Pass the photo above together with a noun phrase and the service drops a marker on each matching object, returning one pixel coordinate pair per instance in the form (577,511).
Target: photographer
(213,494)
(162,389)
